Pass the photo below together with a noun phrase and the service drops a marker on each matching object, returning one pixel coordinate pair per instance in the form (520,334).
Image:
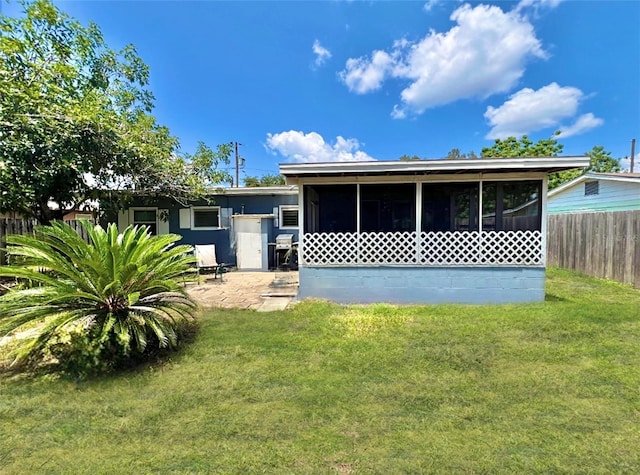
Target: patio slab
(263,291)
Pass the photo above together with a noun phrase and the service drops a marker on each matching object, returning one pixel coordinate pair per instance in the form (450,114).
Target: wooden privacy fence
(605,245)
(25,226)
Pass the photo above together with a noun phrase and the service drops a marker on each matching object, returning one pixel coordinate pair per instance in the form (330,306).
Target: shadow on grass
(553,298)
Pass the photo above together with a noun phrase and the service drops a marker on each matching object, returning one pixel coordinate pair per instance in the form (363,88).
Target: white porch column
(300,224)
(418,222)
(358,223)
(543,218)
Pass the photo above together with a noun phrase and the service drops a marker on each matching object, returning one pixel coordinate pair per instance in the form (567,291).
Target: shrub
(99,304)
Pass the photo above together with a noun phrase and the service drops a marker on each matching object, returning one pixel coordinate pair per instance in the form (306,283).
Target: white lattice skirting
(487,248)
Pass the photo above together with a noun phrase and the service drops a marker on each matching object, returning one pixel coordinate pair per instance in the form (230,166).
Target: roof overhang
(433,167)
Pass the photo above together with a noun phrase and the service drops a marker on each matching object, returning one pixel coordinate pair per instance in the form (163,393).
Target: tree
(600,161)
(512,147)
(455,154)
(96,304)
(75,120)
(265,180)
(409,158)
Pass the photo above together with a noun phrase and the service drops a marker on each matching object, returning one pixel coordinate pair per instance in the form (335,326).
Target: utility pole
(237,164)
(633,154)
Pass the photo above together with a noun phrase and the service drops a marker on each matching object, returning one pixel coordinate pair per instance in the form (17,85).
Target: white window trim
(280,217)
(132,219)
(204,208)
(133,213)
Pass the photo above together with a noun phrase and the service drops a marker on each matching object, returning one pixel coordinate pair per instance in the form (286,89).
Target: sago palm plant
(112,295)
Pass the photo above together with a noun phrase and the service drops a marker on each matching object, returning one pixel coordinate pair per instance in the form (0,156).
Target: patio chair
(206,259)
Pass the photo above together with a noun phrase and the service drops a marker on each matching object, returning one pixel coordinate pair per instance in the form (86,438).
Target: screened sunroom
(424,231)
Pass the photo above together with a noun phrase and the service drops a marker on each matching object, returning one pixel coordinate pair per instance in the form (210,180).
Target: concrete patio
(261,291)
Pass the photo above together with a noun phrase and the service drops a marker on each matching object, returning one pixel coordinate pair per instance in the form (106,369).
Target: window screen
(591,188)
(289,218)
(388,208)
(450,207)
(511,206)
(146,217)
(206,218)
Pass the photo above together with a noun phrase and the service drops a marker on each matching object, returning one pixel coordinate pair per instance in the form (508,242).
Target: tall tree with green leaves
(600,161)
(265,180)
(524,147)
(75,120)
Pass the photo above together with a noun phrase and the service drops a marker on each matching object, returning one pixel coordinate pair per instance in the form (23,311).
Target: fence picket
(9,226)
(605,245)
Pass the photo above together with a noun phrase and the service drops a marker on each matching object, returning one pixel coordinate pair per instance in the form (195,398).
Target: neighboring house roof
(427,167)
(610,192)
(625,177)
(233,191)
(257,190)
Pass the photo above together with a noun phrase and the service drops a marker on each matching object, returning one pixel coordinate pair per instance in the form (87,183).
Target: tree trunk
(45,215)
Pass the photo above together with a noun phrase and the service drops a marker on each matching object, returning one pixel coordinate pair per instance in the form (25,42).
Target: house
(593,192)
(429,231)
(243,223)
(594,226)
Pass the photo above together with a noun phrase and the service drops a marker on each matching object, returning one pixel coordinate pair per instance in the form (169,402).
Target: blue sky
(349,80)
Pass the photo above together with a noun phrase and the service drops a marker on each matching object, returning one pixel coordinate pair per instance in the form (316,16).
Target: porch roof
(433,167)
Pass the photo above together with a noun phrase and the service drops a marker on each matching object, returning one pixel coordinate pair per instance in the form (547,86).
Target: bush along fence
(605,245)
(10,226)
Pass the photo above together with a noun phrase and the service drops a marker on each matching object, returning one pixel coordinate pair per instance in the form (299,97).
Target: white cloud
(398,112)
(483,54)
(536,5)
(581,125)
(297,146)
(430,4)
(625,163)
(527,110)
(362,75)
(322,53)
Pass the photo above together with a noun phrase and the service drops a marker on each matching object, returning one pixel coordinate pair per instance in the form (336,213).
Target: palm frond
(127,285)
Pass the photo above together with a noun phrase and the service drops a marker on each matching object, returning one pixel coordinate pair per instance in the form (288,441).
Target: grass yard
(538,388)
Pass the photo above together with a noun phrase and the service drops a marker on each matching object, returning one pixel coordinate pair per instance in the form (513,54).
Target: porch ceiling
(433,167)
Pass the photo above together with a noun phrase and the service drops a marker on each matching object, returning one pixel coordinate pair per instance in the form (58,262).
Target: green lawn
(540,388)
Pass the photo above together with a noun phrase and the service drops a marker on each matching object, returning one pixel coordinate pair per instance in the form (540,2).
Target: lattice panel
(326,249)
(450,248)
(387,248)
(522,248)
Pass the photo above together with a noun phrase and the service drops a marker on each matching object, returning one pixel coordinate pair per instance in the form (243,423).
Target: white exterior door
(249,244)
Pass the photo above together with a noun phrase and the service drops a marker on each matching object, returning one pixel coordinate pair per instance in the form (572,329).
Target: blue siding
(222,238)
(612,196)
(424,285)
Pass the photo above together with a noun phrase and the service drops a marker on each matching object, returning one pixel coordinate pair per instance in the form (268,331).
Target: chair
(206,259)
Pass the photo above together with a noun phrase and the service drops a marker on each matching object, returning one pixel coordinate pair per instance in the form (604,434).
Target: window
(450,207)
(205,217)
(330,208)
(511,206)
(388,208)
(591,188)
(288,217)
(146,217)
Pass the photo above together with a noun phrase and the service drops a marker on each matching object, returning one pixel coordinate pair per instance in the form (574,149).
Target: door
(248,243)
